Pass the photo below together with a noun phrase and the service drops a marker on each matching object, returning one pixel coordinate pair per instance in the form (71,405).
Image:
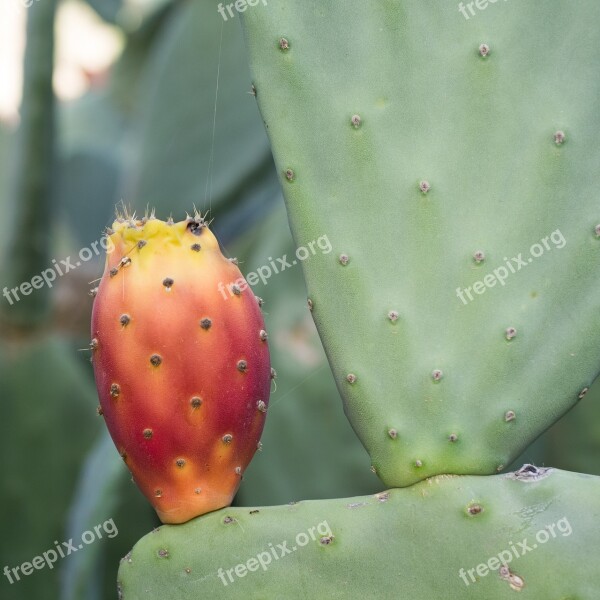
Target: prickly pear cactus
(452,161)
(450,537)
(181,362)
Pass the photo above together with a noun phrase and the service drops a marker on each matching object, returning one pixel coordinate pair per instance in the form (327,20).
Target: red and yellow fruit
(182,368)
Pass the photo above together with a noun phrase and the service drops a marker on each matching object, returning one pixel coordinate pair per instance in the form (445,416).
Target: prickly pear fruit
(181,364)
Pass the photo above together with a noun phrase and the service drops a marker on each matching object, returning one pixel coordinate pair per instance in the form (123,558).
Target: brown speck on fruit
(310,304)
(511,333)
(227,438)
(254,512)
(393,433)
(289,175)
(141,244)
(158,493)
(510,416)
(437,375)
(238,470)
(123,455)
(196,402)
(373,469)
(148,433)
(168,283)
(597,230)
(236,290)
(94,344)
(197,490)
(484,50)
(228,520)
(252,90)
(356,121)
(162,553)
(260,301)
(124,320)
(326,540)
(242,366)
(559,138)
(233,261)
(99,411)
(263,335)
(259,446)
(113,272)
(393,316)
(351,378)
(196,247)
(125,261)
(273,373)
(418,463)
(94,292)
(453,437)
(206,324)
(180,462)
(262,407)
(583,392)
(344,259)
(284,44)
(155,360)
(115,390)
(424,186)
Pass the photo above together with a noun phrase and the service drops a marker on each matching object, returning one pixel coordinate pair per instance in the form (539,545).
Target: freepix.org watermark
(48,276)
(321,533)
(501,274)
(501,560)
(62,550)
(239,6)
(264,273)
(467,9)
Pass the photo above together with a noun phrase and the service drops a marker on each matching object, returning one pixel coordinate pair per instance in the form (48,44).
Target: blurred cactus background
(147,103)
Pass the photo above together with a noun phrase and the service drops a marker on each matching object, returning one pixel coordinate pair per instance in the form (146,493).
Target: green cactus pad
(433,149)
(407,543)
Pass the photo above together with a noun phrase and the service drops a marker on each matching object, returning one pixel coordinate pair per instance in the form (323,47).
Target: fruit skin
(182,371)
(405,543)
(439,168)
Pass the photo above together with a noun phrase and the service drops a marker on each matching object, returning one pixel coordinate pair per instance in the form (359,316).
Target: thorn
(424,186)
